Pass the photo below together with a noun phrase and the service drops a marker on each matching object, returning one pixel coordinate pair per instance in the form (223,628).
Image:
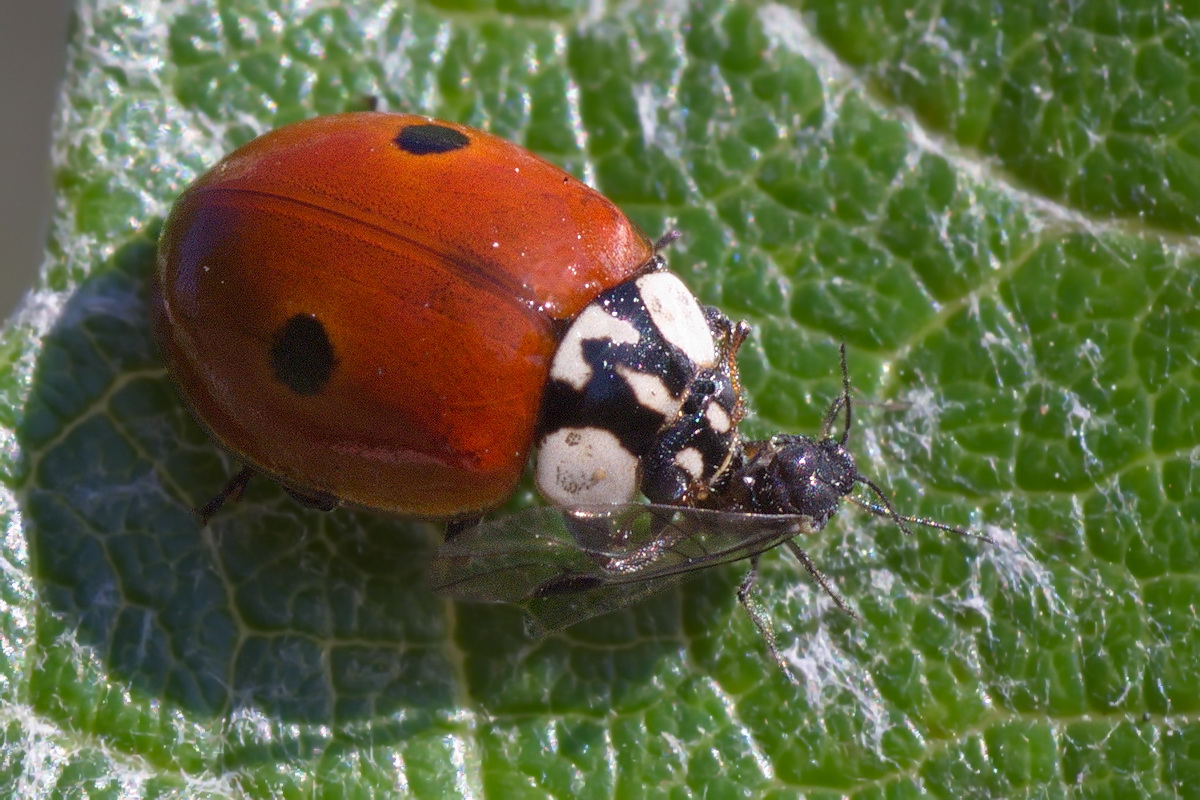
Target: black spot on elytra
(422,140)
(301,355)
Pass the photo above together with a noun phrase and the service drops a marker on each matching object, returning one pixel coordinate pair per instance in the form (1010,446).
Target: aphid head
(792,474)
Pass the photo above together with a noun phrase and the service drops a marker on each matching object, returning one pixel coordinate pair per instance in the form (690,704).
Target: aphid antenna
(836,406)
(890,512)
(887,509)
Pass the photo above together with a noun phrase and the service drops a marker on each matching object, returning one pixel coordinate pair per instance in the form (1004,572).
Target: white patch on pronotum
(569,365)
(585,466)
(690,461)
(650,391)
(678,316)
(718,418)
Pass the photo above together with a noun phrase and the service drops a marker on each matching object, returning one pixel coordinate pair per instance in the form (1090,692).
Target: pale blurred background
(32,48)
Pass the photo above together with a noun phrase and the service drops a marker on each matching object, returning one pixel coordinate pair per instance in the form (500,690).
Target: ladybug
(395,312)
(365,306)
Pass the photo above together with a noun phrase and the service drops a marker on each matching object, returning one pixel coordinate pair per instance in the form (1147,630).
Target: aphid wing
(506,559)
(651,548)
(550,614)
(558,564)
(566,565)
(695,538)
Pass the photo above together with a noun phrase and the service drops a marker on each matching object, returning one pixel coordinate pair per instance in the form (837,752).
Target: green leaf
(994,205)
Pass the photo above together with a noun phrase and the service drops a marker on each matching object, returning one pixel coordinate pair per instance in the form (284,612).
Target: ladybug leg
(456,526)
(319,500)
(658,262)
(232,492)
(666,239)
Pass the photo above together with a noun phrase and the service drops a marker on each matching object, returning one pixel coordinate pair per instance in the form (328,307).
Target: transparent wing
(566,565)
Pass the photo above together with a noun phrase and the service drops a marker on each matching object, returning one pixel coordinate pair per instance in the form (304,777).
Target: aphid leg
(232,492)
(890,513)
(820,578)
(761,619)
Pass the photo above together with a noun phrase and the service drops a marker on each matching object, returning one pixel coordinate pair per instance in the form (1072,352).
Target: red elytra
(364,306)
